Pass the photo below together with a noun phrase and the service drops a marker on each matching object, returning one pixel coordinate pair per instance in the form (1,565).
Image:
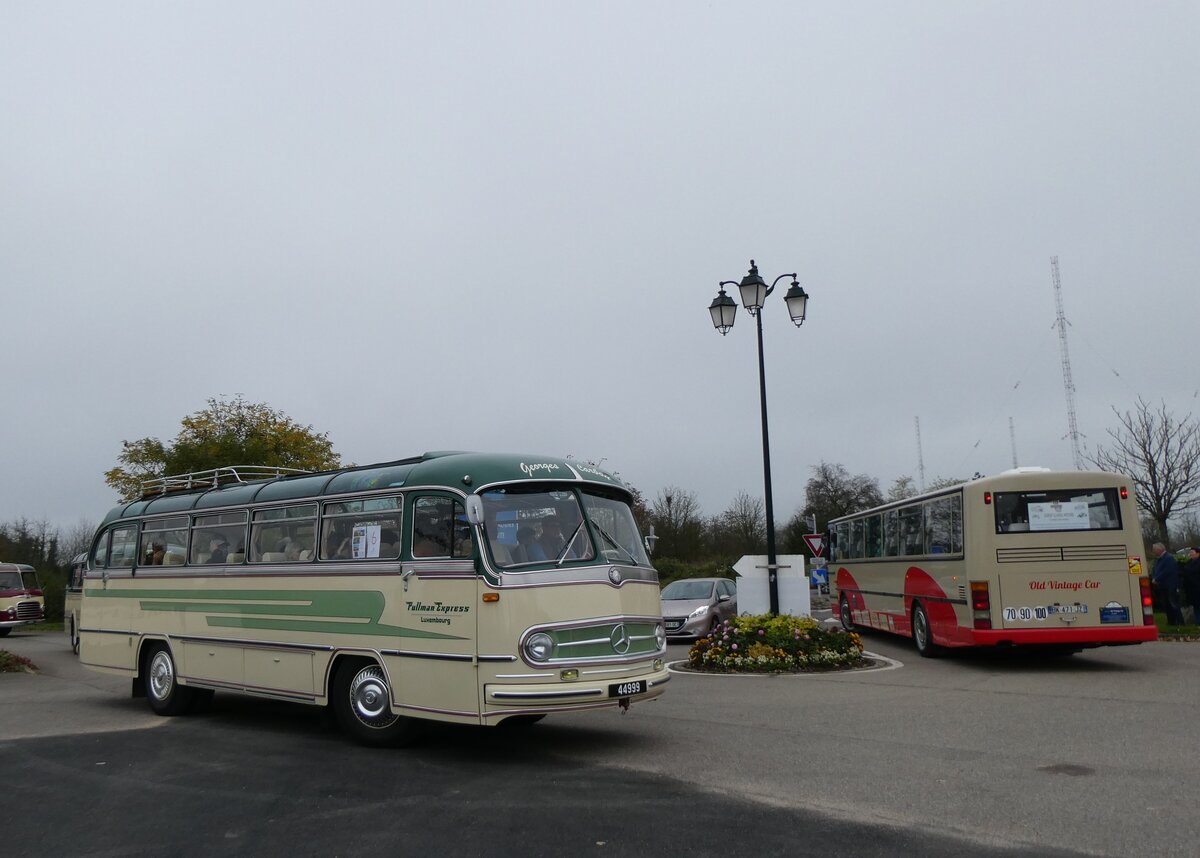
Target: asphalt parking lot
(1089,754)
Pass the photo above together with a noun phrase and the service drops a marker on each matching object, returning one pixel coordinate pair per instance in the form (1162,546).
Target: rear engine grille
(1055,553)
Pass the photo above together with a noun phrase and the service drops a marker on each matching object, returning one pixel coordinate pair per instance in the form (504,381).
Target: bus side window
(912,539)
(124,546)
(100,553)
(891,533)
(433,526)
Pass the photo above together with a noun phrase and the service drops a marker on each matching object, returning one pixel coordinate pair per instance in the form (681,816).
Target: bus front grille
(29,611)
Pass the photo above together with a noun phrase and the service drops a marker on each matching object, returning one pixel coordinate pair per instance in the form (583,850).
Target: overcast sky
(498,226)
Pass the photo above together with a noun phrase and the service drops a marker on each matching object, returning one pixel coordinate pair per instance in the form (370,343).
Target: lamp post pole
(754,292)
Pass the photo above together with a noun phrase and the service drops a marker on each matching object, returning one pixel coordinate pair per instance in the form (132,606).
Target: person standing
(1191,581)
(1165,577)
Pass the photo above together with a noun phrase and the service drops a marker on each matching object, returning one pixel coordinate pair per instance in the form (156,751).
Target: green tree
(225,433)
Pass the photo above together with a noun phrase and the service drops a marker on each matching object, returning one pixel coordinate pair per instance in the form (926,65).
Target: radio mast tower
(1012,436)
(920,455)
(1072,426)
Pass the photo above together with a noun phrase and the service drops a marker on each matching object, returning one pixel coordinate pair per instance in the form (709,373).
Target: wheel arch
(144,645)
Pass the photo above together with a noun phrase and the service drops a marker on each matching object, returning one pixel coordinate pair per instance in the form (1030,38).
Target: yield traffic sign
(815,543)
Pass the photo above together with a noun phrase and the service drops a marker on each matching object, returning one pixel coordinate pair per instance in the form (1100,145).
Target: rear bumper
(1081,636)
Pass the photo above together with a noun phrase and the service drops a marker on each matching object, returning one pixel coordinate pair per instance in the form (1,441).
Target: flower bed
(13,663)
(775,644)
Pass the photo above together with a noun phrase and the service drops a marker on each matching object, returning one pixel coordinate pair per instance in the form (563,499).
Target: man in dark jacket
(1165,578)
(1191,580)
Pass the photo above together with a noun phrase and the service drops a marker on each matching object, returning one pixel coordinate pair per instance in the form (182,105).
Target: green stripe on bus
(323,611)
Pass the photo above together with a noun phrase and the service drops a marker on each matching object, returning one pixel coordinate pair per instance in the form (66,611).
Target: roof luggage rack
(214,478)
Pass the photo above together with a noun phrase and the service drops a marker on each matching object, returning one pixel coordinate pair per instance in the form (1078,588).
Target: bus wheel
(922,635)
(362,700)
(844,611)
(166,695)
(74,637)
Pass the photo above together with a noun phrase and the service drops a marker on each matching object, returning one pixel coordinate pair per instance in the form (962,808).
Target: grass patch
(1175,633)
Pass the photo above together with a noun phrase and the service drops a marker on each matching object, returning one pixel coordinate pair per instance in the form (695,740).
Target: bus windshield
(1057,509)
(11,581)
(531,525)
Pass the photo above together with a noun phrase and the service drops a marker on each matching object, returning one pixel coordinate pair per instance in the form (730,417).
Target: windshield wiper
(562,555)
(617,545)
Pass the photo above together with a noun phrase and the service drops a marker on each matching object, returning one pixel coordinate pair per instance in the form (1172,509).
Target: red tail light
(981,604)
(1147,602)
(1124,493)
(987,497)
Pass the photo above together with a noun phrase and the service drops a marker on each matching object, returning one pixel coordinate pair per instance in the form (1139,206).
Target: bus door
(1067,587)
(439,606)
(106,615)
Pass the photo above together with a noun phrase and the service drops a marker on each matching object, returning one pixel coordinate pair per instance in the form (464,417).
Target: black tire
(4,631)
(922,633)
(845,616)
(163,691)
(362,702)
(74,637)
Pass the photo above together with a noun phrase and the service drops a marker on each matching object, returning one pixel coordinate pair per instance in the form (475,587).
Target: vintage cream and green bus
(462,587)
(1030,556)
(21,599)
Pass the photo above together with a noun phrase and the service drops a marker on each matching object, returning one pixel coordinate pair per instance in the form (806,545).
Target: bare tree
(740,529)
(76,539)
(678,523)
(1161,454)
(832,492)
(902,488)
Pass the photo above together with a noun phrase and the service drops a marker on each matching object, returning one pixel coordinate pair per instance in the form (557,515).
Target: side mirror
(475,509)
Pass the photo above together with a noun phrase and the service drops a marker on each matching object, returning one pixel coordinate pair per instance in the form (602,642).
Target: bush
(669,569)
(775,644)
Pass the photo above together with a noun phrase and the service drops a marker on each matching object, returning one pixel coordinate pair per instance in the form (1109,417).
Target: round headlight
(539,647)
(660,636)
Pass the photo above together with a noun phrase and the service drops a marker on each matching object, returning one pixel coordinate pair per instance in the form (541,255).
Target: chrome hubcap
(369,698)
(162,676)
(920,630)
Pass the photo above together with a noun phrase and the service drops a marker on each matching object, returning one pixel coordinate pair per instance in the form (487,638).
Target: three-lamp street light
(754,291)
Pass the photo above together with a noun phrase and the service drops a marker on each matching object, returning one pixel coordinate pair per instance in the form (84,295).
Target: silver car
(692,607)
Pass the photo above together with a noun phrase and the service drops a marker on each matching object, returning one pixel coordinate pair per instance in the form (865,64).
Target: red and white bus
(21,600)
(1030,556)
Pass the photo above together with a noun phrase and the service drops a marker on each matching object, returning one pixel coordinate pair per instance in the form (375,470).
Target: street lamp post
(754,292)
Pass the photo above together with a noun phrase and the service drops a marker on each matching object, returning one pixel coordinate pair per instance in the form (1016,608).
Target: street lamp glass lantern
(797,303)
(753,289)
(723,309)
